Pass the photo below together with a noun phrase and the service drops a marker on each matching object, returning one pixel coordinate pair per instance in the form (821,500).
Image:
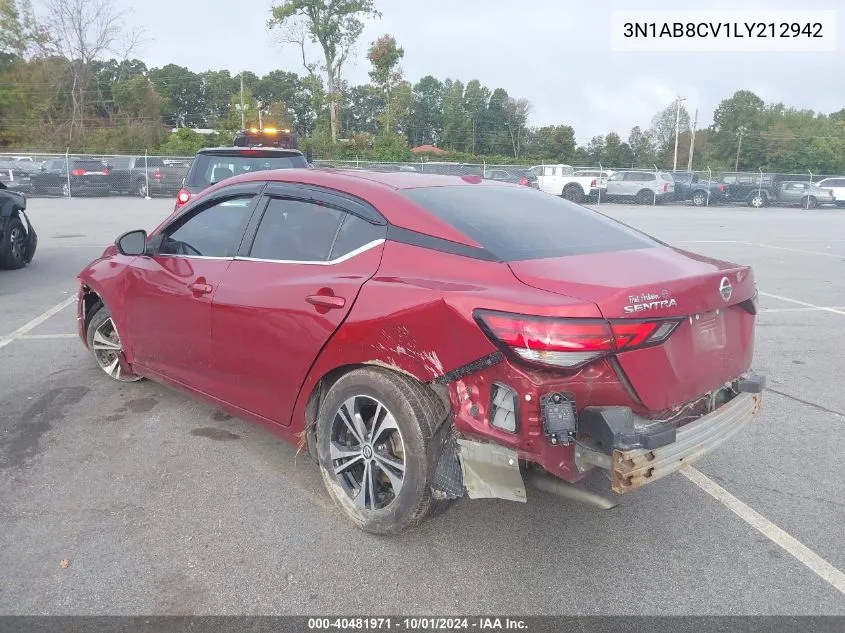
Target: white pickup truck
(563,180)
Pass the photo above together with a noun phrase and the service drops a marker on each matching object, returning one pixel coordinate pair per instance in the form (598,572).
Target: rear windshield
(89,165)
(517,223)
(209,169)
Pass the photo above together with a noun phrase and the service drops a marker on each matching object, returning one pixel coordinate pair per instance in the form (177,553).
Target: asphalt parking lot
(162,505)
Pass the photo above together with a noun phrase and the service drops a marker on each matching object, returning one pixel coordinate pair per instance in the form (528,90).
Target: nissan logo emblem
(725,289)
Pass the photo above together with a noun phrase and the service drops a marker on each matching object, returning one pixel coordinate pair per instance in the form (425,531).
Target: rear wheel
(374,434)
(699,198)
(66,190)
(645,197)
(13,245)
(573,193)
(809,202)
(757,200)
(141,188)
(104,343)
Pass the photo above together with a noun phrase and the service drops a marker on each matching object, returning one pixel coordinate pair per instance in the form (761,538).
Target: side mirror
(132,243)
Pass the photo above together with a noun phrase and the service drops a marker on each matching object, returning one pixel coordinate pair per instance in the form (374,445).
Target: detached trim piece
(482,363)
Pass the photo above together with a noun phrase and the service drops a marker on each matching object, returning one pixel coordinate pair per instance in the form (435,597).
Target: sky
(557,54)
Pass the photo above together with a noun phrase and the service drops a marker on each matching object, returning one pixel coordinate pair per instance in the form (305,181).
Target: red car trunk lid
(712,345)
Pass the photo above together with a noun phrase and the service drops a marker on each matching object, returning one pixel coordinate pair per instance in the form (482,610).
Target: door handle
(202,289)
(326,301)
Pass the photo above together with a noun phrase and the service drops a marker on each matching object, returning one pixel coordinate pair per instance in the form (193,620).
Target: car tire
(645,197)
(141,188)
(105,345)
(355,450)
(66,190)
(757,200)
(573,193)
(12,252)
(699,199)
(809,202)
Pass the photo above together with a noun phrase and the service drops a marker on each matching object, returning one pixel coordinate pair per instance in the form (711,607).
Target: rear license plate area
(709,331)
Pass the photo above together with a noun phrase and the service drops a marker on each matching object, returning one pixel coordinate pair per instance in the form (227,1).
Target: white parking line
(803,303)
(797,250)
(823,308)
(789,544)
(4,341)
(38,337)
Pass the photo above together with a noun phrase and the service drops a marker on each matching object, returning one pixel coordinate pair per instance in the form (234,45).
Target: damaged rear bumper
(632,469)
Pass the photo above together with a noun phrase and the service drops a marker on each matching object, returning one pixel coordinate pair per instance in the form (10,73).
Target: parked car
(641,186)
(144,176)
(595,173)
(213,165)
(835,185)
(17,237)
(688,187)
(86,177)
(513,175)
(16,175)
(561,180)
(751,188)
(426,338)
(805,194)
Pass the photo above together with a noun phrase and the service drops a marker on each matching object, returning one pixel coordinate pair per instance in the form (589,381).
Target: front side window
(212,232)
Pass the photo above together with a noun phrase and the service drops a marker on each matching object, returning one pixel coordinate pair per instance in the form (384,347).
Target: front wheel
(13,245)
(699,198)
(374,433)
(104,343)
(809,202)
(66,190)
(141,188)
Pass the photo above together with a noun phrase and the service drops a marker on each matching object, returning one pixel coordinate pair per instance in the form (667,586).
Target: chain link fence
(145,175)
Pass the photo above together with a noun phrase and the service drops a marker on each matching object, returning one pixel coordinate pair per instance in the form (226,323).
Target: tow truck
(253,149)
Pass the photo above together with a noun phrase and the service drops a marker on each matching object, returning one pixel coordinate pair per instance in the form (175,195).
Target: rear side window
(296,231)
(518,223)
(354,234)
(209,169)
(88,165)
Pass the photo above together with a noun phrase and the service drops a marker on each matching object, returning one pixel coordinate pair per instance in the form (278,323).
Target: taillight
(593,184)
(77,172)
(721,188)
(182,197)
(157,175)
(523,182)
(106,172)
(569,343)
(665,187)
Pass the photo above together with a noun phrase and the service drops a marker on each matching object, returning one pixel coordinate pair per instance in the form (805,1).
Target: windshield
(209,169)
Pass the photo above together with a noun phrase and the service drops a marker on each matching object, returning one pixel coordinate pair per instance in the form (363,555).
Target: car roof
(379,189)
(251,150)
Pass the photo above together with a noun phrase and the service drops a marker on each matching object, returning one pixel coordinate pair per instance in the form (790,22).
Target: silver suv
(645,187)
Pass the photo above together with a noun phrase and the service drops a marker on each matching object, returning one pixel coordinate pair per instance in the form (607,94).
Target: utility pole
(243,109)
(677,125)
(740,131)
(692,141)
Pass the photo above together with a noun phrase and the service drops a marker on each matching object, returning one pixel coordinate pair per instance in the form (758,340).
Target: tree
(21,35)
(742,111)
(454,116)
(425,121)
(81,31)
(556,143)
(642,147)
(663,129)
(495,138)
(183,93)
(384,55)
(476,97)
(364,106)
(335,25)
(516,118)
(616,152)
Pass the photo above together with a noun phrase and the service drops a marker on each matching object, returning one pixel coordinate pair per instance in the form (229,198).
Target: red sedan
(432,337)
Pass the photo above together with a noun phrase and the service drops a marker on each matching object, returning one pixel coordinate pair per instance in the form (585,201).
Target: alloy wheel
(106,347)
(367,452)
(16,244)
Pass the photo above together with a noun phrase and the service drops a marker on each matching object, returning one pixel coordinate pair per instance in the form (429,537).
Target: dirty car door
(305,256)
